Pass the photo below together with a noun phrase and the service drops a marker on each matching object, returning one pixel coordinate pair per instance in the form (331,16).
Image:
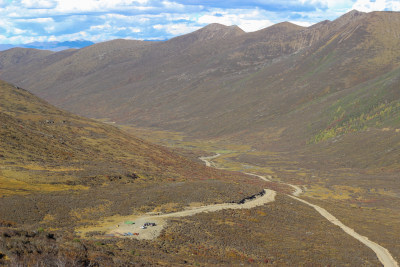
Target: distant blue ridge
(53,46)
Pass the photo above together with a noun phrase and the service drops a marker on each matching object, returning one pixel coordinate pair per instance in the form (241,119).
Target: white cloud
(159,27)
(52,38)
(173,5)
(377,5)
(38,4)
(37,20)
(81,6)
(302,23)
(78,6)
(21,39)
(19,31)
(100,27)
(254,25)
(330,3)
(5,25)
(226,19)
(176,29)
(143,20)
(134,30)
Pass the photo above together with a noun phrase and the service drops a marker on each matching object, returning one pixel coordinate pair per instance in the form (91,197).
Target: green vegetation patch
(376,117)
(374,104)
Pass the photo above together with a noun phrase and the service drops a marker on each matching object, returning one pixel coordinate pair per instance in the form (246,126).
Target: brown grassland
(363,198)
(60,172)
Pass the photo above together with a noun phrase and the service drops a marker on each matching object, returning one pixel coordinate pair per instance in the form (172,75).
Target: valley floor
(137,226)
(320,188)
(382,253)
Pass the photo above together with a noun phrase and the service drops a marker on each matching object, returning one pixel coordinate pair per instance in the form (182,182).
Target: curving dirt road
(261,177)
(152,232)
(160,220)
(207,160)
(382,253)
(297,190)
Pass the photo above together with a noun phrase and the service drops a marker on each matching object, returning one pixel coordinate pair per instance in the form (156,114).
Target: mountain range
(53,46)
(282,87)
(43,145)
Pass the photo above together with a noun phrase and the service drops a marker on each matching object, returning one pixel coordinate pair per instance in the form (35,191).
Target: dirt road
(207,160)
(261,177)
(382,253)
(161,220)
(152,232)
(297,190)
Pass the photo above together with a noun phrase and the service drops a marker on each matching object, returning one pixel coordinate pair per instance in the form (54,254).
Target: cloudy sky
(24,21)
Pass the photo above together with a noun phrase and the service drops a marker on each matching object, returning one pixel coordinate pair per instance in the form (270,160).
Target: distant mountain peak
(354,12)
(279,28)
(286,26)
(218,27)
(52,46)
(216,30)
(351,15)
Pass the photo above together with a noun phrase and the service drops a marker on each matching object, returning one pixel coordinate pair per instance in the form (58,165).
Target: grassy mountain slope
(278,88)
(105,73)
(59,171)
(62,170)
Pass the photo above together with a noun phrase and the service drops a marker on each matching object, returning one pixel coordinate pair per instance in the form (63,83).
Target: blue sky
(24,21)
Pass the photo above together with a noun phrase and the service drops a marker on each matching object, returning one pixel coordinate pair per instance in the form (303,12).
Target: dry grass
(282,233)
(11,187)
